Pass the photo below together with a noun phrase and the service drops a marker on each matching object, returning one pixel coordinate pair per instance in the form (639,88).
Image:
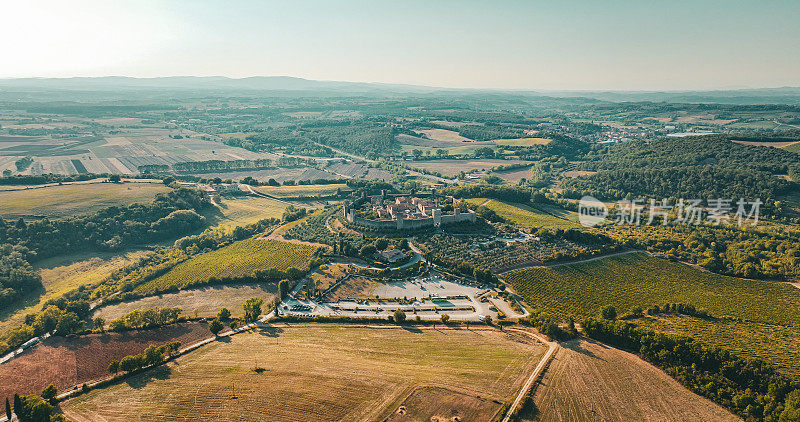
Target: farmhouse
(400,212)
(391,255)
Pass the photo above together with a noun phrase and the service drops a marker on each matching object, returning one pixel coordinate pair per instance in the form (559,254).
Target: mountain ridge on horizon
(783,95)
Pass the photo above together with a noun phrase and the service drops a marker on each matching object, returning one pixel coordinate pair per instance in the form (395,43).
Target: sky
(538,45)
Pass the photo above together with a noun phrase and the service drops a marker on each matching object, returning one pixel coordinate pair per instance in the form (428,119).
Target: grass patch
(639,280)
(238,259)
(523,215)
(317,373)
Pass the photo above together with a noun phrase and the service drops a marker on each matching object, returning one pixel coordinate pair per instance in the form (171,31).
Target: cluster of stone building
(401,212)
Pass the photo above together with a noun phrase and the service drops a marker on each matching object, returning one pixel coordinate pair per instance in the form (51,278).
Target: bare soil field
(67,362)
(453,167)
(352,288)
(316,372)
(438,404)
(589,381)
(202,302)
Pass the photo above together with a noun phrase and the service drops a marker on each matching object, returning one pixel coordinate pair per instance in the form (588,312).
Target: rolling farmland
(450,168)
(63,274)
(333,372)
(615,386)
(66,362)
(238,259)
(628,281)
(241,211)
(523,215)
(301,190)
(74,199)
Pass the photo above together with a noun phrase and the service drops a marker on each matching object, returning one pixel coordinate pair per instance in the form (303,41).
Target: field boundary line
(408,391)
(76,391)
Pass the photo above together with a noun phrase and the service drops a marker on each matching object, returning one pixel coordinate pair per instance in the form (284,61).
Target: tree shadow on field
(577,345)
(411,329)
(269,331)
(141,380)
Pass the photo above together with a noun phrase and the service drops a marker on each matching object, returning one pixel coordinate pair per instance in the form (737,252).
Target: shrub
(215,326)
(224,314)
(609,312)
(399,316)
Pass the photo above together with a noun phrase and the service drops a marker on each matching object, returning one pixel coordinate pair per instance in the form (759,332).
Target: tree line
(750,388)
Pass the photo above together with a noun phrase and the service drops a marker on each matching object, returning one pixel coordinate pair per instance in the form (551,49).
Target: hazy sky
(570,44)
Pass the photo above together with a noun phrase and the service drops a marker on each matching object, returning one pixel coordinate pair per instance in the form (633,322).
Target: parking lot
(425,297)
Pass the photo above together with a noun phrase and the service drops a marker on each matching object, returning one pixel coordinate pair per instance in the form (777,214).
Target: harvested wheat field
(66,362)
(437,404)
(316,372)
(589,381)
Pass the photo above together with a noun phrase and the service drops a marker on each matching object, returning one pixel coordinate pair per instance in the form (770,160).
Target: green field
(322,372)
(301,190)
(238,259)
(631,280)
(795,147)
(523,215)
(74,199)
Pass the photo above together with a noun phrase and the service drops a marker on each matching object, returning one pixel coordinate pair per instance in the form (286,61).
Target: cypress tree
(17,404)
(8,410)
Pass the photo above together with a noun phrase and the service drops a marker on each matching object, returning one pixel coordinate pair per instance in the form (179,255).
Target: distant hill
(268,83)
(784,95)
